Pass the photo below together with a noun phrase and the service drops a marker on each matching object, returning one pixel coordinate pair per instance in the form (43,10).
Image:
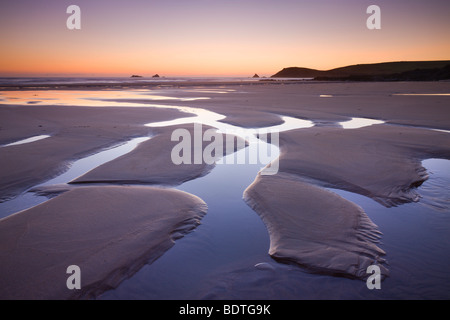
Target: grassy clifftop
(402,70)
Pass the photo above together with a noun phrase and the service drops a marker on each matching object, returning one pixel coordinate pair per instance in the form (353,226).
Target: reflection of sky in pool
(220,256)
(422,94)
(28,140)
(106,98)
(356,123)
(27,199)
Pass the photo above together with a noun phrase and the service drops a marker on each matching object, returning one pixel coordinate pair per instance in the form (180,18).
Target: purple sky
(207,37)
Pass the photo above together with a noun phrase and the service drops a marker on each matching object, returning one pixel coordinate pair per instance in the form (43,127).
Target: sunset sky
(215,37)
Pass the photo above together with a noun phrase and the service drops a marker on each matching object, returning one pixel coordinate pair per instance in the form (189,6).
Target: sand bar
(109,232)
(381,162)
(151,162)
(76,132)
(315,228)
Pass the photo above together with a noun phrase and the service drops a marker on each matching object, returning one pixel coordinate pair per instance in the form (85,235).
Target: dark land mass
(387,71)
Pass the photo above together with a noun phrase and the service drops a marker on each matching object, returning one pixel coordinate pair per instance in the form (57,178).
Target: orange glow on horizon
(195,39)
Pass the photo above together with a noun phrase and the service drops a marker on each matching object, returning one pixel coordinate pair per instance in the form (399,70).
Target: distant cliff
(387,71)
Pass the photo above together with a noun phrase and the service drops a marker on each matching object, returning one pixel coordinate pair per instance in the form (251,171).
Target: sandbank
(76,132)
(110,232)
(382,162)
(151,163)
(315,228)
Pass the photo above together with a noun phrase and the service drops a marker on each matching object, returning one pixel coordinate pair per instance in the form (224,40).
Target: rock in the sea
(256,76)
(136,76)
(156,76)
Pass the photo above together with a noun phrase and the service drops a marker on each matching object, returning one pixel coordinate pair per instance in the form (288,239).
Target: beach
(129,213)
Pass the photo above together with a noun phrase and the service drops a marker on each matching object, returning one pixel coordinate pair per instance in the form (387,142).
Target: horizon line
(171,75)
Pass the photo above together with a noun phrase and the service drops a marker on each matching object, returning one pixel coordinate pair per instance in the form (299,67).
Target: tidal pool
(226,256)
(29,199)
(356,123)
(27,140)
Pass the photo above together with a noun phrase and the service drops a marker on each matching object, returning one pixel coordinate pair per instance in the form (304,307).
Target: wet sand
(380,161)
(315,228)
(110,232)
(151,163)
(75,132)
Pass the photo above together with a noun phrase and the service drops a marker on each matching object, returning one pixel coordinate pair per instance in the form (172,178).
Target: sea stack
(156,76)
(256,76)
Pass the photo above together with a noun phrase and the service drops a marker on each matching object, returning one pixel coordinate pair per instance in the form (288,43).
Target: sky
(215,37)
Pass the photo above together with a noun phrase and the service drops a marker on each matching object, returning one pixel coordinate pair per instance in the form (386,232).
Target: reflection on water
(28,140)
(441,130)
(201,116)
(213,119)
(86,98)
(230,234)
(218,259)
(221,259)
(82,166)
(205,90)
(28,199)
(356,123)
(416,238)
(435,192)
(422,94)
